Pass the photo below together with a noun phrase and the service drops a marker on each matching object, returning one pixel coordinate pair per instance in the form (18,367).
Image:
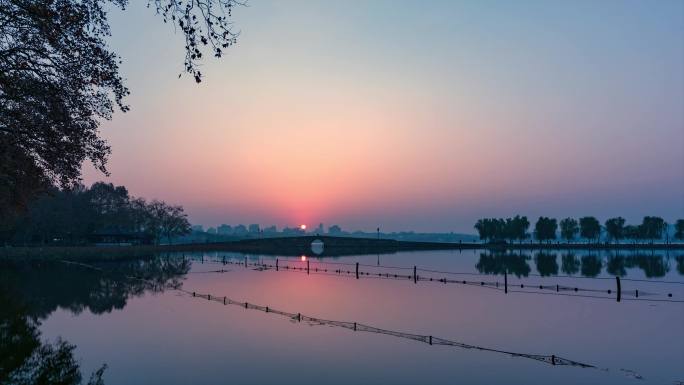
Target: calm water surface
(153,331)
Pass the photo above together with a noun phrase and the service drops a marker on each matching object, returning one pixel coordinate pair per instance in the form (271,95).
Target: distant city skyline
(409,116)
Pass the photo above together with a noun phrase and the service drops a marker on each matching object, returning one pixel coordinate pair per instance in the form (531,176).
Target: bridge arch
(317,246)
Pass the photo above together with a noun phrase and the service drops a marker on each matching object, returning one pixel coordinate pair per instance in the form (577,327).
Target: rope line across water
(552,289)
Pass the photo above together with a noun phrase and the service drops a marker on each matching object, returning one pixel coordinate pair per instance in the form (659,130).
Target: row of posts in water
(429,339)
(505,287)
(415,277)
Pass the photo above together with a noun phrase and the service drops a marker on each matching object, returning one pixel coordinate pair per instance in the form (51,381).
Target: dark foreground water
(140,318)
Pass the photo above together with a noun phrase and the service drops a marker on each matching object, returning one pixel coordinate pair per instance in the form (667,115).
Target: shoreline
(295,246)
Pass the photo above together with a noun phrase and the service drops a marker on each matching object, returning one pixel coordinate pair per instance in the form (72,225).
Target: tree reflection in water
(615,265)
(31,291)
(546,264)
(498,263)
(590,265)
(570,265)
(653,266)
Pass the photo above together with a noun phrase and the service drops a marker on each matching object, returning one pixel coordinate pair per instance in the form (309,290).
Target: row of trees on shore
(101,213)
(589,228)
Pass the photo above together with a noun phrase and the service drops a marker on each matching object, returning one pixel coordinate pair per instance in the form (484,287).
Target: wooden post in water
(430,340)
(357,270)
(307,267)
(619,288)
(505,282)
(224,300)
(354,326)
(299,317)
(415,278)
(245,261)
(553,359)
(276,264)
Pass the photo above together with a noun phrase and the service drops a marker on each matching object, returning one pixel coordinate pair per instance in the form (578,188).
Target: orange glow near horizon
(352,129)
(303,258)
(303,227)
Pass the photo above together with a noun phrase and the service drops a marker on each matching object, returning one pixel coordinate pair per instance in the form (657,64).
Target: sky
(408,115)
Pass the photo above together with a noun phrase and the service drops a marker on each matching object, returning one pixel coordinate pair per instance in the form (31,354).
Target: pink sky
(330,113)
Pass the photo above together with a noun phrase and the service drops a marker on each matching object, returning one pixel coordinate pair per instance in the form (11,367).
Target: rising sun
(303,227)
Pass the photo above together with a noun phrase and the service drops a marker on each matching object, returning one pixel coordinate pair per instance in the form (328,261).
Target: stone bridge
(332,246)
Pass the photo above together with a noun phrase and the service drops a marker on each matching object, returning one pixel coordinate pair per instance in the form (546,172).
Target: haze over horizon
(408,116)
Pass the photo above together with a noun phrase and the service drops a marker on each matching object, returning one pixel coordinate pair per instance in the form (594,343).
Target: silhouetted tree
(490,229)
(679,229)
(498,229)
(166,220)
(21,180)
(615,227)
(204,23)
(633,232)
(590,228)
(59,80)
(545,229)
(516,228)
(73,216)
(174,222)
(652,228)
(569,228)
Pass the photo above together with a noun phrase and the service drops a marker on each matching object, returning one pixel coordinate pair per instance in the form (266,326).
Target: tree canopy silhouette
(569,228)
(615,227)
(679,229)
(590,228)
(545,229)
(76,216)
(652,228)
(498,229)
(59,80)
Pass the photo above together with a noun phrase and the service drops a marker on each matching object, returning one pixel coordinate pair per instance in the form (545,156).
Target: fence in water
(414,274)
(550,359)
(359,327)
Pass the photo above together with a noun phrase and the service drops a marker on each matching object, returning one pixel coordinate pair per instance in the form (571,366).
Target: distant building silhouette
(224,229)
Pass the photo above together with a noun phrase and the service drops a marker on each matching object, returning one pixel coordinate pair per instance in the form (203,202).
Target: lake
(471,317)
